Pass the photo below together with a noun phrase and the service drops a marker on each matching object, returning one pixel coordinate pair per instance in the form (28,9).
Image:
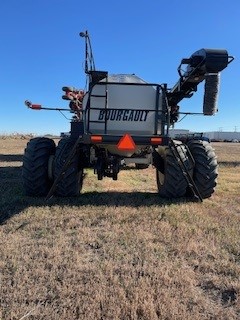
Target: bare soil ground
(119,251)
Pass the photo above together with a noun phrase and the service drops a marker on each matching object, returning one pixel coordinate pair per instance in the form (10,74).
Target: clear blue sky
(41,51)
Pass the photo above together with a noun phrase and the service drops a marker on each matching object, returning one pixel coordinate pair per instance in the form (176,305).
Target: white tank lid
(125,78)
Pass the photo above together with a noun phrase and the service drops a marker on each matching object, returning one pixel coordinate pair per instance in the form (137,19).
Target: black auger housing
(204,64)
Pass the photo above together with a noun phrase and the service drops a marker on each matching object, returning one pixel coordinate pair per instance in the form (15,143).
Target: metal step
(96,121)
(98,96)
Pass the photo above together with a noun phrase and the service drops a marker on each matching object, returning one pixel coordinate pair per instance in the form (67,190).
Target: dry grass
(119,251)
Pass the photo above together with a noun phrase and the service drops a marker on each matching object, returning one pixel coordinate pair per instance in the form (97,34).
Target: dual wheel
(43,162)
(170,178)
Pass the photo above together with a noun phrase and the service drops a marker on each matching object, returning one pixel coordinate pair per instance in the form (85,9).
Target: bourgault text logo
(123,115)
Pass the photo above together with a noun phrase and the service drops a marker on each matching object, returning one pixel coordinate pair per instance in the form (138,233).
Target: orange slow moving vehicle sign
(126,143)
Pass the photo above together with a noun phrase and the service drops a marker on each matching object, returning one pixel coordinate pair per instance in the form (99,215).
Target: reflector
(36,106)
(96,139)
(156,140)
(126,143)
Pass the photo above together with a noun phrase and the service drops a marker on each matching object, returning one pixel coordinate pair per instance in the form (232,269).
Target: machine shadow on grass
(13,200)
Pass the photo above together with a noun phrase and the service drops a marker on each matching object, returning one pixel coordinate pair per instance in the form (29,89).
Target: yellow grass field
(119,251)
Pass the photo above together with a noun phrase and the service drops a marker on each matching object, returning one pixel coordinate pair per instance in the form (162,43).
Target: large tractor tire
(35,170)
(70,185)
(205,171)
(170,179)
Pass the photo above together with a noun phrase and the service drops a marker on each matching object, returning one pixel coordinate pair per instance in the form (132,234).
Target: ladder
(105,96)
(185,170)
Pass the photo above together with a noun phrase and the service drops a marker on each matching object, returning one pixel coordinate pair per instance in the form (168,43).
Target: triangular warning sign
(126,143)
